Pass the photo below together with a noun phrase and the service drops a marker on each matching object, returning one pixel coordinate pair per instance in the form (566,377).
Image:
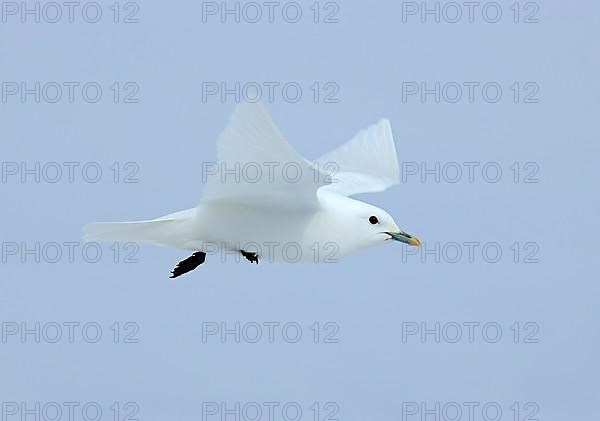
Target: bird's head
(374,225)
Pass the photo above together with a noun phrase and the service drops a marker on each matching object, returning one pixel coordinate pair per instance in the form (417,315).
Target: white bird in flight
(298,210)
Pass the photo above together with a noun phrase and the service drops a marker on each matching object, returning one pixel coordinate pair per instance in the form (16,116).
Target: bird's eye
(373,220)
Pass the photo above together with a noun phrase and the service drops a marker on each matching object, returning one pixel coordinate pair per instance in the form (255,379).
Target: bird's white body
(309,218)
(323,235)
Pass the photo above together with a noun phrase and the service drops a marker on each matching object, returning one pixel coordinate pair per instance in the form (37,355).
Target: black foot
(188,264)
(250,256)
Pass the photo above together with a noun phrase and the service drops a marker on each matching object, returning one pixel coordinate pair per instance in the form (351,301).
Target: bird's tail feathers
(168,230)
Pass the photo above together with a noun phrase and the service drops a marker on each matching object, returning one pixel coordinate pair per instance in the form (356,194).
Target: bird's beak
(405,238)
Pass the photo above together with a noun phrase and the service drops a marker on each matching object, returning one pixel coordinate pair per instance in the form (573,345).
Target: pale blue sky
(368,55)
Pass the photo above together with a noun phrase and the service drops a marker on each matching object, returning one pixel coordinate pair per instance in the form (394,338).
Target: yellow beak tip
(415,242)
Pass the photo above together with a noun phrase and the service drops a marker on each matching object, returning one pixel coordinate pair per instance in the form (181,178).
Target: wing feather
(258,167)
(366,163)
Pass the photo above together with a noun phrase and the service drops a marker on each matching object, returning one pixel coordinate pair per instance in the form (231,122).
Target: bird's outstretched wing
(258,167)
(367,163)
